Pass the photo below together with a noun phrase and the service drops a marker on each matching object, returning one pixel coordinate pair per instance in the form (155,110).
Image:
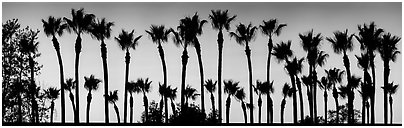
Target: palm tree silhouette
(244,35)
(388,52)
(270,28)
(164,92)
(365,94)
(264,88)
(159,35)
(240,96)
(79,24)
(370,37)
(391,89)
(325,85)
(90,84)
(230,87)
(335,76)
(287,91)
(127,41)
(211,88)
(52,27)
(52,93)
(348,92)
(293,68)
(29,47)
(310,44)
(69,85)
(366,86)
(132,88)
(112,98)
(172,94)
(101,30)
(220,20)
(145,87)
(341,43)
(190,93)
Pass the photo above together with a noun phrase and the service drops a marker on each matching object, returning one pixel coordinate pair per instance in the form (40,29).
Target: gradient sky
(324,18)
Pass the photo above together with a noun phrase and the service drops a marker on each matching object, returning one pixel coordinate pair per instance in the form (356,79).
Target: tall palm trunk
(52,107)
(244,111)
(335,95)
(270,45)
(125,109)
(57,48)
(300,99)
(76,77)
(367,109)
(104,63)
(314,95)
(292,80)
(270,110)
(350,100)
(146,105)
(89,97)
(325,106)
(184,58)
(219,72)
(391,109)
(163,63)
(161,105)
(372,97)
(117,113)
(34,112)
(386,82)
(259,108)
(283,109)
(212,99)
(363,110)
(310,99)
(131,108)
(228,103)
(198,52)
(248,53)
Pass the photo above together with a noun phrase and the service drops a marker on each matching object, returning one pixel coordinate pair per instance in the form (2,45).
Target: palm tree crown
(220,19)
(282,51)
(54,26)
(388,49)
(52,93)
(91,83)
(341,42)
(113,96)
(244,34)
(271,27)
(126,40)
(230,87)
(158,34)
(80,21)
(101,30)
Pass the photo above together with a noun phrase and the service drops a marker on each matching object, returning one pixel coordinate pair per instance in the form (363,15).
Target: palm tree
(243,36)
(334,76)
(172,94)
(293,68)
(307,81)
(211,88)
(112,98)
(159,35)
(220,20)
(365,94)
(264,88)
(29,47)
(326,86)
(90,84)
(132,88)
(52,93)
(164,92)
(341,43)
(230,87)
(366,87)
(240,96)
(52,27)
(388,52)
(145,87)
(79,24)
(69,85)
(370,37)
(287,91)
(127,41)
(101,30)
(391,89)
(348,92)
(190,93)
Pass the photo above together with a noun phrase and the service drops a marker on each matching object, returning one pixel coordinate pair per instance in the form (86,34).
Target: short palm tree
(240,96)
(243,35)
(132,88)
(69,85)
(264,88)
(366,86)
(112,98)
(101,30)
(172,94)
(91,84)
(287,91)
(211,88)
(159,35)
(370,38)
(127,41)
(391,89)
(348,92)
(220,20)
(79,23)
(335,76)
(145,87)
(326,86)
(164,92)
(52,93)
(190,93)
(230,87)
(388,52)
(52,27)
(365,94)
(293,68)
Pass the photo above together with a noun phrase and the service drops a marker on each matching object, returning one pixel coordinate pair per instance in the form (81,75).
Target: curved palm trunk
(386,82)
(198,52)
(117,112)
(259,108)
(335,95)
(105,68)
(292,79)
(391,109)
(184,58)
(89,97)
(270,45)
(173,107)
(248,53)
(146,105)
(62,95)
(125,104)
(270,110)
(163,63)
(72,100)
(244,111)
(325,106)
(212,99)
(283,109)
(228,103)
(76,76)
(131,108)
(350,102)
(219,72)
(161,105)
(372,96)
(52,107)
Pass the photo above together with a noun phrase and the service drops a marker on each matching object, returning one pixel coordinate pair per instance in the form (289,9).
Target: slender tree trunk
(350,102)
(161,105)
(270,109)
(315,95)
(372,64)
(212,99)
(270,45)
(228,103)
(259,108)
(163,63)
(198,52)
(117,113)
(363,109)
(244,111)
(131,108)
(391,109)
(146,105)
(335,95)
(125,106)
(325,105)
(76,76)
(386,82)
(219,72)
(35,114)
(104,63)
(301,99)
(248,53)
(367,109)
(52,107)
(283,109)
(89,97)
(72,100)
(62,95)
(184,58)
(173,108)
(292,79)
(311,99)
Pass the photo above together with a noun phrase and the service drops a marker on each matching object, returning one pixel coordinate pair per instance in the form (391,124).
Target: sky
(324,18)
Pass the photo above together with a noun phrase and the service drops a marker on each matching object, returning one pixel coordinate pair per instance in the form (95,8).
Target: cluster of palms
(371,39)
